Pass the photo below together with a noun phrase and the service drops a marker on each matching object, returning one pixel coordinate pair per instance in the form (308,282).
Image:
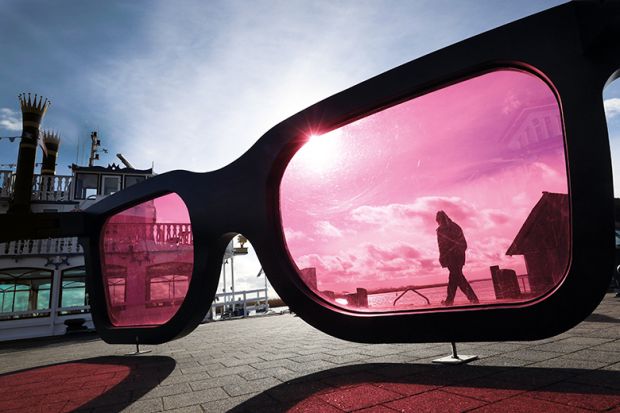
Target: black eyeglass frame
(571,47)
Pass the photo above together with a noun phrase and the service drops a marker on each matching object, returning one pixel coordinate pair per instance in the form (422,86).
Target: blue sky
(192,84)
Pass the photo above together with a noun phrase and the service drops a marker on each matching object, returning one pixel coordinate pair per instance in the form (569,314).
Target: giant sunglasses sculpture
(464,196)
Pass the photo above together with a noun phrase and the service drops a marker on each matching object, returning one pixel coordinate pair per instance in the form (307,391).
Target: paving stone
(161,391)
(216,382)
(532,355)
(230,403)
(271,372)
(194,398)
(146,406)
(435,401)
(486,389)
(522,404)
(608,357)
(358,397)
(569,363)
(245,387)
(579,395)
(228,371)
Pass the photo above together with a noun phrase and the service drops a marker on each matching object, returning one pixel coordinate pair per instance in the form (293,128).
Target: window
(24,290)
(133,179)
(167,284)
(117,283)
(85,185)
(73,290)
(110,185)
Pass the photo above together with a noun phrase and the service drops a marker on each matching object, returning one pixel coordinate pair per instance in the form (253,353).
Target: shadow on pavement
(110,383)
(602,318)
(422,387)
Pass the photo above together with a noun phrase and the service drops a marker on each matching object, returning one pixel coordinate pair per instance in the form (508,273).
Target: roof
(549,211)
(113,168)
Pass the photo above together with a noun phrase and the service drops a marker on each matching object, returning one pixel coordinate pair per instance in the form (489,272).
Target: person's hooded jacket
(452,244)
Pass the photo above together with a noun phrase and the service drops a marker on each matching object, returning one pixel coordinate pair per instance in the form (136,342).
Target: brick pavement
(279,363)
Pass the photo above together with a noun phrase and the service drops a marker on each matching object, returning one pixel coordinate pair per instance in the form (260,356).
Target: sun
(322,152)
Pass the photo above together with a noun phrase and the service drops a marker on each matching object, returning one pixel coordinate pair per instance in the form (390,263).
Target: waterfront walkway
(279,363)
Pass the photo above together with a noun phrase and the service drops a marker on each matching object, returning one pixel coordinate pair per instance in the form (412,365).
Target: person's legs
(452,284)
(466,287)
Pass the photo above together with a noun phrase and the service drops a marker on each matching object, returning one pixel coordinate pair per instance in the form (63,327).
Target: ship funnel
(33,111)
(51,140)
(124,160)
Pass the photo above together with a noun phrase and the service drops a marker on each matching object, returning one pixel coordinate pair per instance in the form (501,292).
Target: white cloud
(325,228)
(292,235)
(612,107)
(10,120)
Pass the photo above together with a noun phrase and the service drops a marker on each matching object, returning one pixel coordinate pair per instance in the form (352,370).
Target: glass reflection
(147,261)
(454,198)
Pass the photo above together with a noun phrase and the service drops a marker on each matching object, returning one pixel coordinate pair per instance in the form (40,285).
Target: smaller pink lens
(147,258)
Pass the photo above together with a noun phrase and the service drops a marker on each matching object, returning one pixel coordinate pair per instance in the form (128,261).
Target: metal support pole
(232,279)
(138,351)
(224,286)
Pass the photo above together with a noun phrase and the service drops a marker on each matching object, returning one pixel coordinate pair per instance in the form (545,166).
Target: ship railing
(51,187)
(134,237)
(41,247)
(44,187)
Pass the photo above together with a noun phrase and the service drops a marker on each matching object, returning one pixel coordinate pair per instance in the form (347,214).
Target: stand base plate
(460,359)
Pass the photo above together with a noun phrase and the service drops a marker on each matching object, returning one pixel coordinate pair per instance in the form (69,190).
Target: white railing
(241,303)
(51,246)
(51,187)
(44,187)
(135,237)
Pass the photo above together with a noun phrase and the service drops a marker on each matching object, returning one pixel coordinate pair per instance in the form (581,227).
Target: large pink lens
(147,258)
(456,197)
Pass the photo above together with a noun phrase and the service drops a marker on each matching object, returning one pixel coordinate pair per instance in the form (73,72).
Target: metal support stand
(138,351)
(454,358)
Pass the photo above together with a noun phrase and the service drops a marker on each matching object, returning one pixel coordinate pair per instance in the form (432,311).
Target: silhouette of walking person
(452,246)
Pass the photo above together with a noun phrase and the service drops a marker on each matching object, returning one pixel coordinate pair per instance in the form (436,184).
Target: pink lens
(456,197)
(147,259)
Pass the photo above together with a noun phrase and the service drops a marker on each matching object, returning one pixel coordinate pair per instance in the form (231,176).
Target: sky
(193,84)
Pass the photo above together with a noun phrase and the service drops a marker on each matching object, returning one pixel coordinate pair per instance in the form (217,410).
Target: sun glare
(321,152)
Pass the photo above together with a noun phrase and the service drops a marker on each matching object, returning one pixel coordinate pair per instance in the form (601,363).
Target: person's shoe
(475,301)
(446,302)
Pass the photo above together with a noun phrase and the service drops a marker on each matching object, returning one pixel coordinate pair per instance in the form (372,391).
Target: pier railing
(238,304)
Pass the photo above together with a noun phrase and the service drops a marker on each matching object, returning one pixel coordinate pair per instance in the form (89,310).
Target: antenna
(95,143)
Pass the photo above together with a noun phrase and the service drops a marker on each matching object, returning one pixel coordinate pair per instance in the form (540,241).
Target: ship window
(24,293)
(167,284)
(133,179)
(117,285)
(85,185)
(110,184)
(73,291)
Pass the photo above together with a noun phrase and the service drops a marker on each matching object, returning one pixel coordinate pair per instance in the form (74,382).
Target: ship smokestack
(51,140)
(32,115)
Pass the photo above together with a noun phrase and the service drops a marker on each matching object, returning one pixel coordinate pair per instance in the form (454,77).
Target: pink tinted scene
(147,261)
(454,198)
